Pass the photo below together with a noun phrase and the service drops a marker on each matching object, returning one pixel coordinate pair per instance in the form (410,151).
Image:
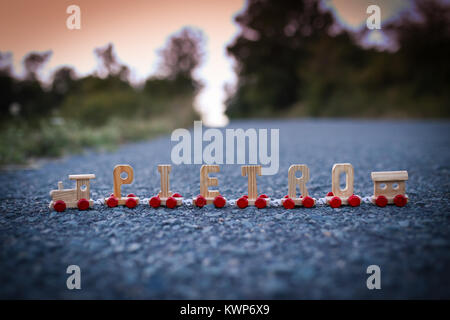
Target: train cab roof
(81,176)
(389,176)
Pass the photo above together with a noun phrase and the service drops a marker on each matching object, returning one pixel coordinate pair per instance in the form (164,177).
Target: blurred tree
(272,45)
(33,62)
(423,37)
(28,97)
(63,80)
(6,86)
(182,54)
(109,63)
(289,62)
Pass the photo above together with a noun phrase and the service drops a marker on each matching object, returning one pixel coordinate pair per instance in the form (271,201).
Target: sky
(138,28)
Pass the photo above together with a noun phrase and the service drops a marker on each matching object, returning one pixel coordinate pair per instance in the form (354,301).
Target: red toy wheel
(155,202)
(131,203)
(354,201)
(242,202)
(260,203)
(289,203)
(263,196)
(171,202)
(335,202)
(400,200)
(200,201)
(112,202)
(177,195)
(219,201)
(308,202)
(131,195)
(83,204)
(330,194)
(381,201)
(59,206)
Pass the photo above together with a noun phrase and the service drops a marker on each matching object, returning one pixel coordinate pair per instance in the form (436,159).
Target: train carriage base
(399,200)
(201,201)
(335,201)
(129,201)
(290,203)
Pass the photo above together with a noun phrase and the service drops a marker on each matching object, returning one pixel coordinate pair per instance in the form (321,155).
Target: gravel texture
(231,253)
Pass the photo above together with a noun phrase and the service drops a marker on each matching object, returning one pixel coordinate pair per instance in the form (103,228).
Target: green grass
(21,143)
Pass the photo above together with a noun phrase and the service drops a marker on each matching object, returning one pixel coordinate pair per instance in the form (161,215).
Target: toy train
(73,198)
(389,188)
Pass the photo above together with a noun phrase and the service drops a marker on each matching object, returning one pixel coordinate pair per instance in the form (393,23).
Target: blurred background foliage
(290,61)
(99,110)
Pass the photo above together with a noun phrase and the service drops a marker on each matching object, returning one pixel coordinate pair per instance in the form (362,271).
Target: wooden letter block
(252,197)
(116,198)
(339,168)
(207,196)
(164,170)
(206,181)
(300,182)
(119,181)
(291,200)
(251,172)
(165,197)
(344,196)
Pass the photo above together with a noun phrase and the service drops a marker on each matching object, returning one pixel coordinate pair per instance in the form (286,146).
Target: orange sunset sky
(138,28)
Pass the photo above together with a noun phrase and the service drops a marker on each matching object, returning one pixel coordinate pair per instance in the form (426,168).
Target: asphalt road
(232,253)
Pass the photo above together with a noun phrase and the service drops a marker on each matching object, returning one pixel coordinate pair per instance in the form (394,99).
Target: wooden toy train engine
(73,198)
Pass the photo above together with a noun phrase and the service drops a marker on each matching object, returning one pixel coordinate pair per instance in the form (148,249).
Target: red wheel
(112,202)
(381,201)
(242,202)
(260,203)
(219,201)
(335,202)
(308,202)
(289,203)
(330,194)
(263,196)
(400,200)
(200,201)
(354,201)
(171,202)
(177,195)
(131,203)
(59,206)
(155,202)
(131,195)
(83,204)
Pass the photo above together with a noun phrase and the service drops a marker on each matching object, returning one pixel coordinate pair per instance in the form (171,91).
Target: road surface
(230,253)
